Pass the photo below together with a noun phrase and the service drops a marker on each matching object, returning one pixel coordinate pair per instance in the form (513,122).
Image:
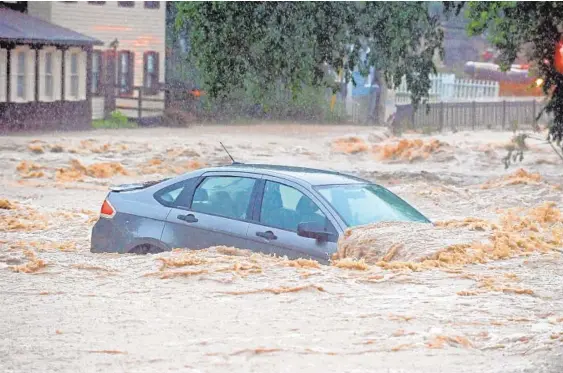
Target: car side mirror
(312,230)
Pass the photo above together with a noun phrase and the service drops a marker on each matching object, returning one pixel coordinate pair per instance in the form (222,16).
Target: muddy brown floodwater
(480,292)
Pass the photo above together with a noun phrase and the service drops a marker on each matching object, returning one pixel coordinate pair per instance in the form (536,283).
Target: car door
(216,212)
(277,215)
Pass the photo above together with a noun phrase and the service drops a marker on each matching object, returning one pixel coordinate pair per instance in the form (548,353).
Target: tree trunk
(372,102)
(376,108)
(381,101)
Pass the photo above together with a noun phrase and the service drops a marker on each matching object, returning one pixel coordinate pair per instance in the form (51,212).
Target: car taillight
(107,210)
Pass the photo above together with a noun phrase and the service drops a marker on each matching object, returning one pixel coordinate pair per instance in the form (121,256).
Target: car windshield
(361,204)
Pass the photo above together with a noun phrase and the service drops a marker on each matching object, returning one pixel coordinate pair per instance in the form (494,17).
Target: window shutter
(82,75)
(156,75)
(156,82)
(146,89)
(131,72)
(3,77)
(42,79)
(30,75)
(57,74)
(67,97)
(119,71)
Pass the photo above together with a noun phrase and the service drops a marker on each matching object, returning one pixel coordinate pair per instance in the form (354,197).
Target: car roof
(310,176)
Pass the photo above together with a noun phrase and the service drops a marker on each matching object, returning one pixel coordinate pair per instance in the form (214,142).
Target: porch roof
(22,28)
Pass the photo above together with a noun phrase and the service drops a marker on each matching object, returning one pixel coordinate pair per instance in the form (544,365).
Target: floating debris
(409,150)
(520,176)
(350,145)
(33,265)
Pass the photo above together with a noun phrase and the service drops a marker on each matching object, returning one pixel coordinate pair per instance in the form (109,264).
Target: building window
(96,2)
(49,75)
(126,4)
(96,73)
(152,4)
(74,75)
(49,69)
(151,70)
(125,72)
(75,62)
(20,76)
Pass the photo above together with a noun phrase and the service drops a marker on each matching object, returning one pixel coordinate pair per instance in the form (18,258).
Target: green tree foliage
(532,29)
(255,45)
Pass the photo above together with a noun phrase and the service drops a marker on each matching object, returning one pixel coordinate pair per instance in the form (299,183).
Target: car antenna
(226,151)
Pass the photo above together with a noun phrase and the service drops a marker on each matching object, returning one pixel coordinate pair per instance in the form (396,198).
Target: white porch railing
(447,88)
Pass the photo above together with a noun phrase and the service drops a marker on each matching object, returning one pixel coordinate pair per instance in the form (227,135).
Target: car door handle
(190,218)
(269,235)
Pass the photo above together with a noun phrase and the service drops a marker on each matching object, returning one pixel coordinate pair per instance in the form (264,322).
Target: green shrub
(310,104)
(117,120)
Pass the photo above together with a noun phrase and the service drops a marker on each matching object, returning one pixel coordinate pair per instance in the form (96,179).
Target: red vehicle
(515,82)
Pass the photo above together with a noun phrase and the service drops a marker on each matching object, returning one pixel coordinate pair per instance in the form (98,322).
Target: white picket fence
(447,88)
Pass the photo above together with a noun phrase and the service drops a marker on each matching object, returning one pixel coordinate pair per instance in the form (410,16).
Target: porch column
(37,77)
(9,48)
(63,75)
(89,53)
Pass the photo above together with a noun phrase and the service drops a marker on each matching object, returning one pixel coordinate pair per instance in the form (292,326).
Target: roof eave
(52,42)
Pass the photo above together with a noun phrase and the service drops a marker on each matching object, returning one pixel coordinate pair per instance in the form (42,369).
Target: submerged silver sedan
(292,211)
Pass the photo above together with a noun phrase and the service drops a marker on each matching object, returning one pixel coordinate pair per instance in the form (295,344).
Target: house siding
(40,9)
(44,116)
(97,107)
(137,30)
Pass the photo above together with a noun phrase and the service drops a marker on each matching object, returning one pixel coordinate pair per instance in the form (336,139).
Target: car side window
(227,196)
(174,195)
(285,207)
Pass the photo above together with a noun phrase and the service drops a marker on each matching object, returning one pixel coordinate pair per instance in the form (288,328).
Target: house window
(126,4)
(74,75)
(151,70)
(152,4)
(49,75)
(75,62)
(125,72)
(20,76)
(49,70)
(96,72)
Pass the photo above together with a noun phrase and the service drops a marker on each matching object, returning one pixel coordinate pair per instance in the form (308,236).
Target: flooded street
(470,295)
